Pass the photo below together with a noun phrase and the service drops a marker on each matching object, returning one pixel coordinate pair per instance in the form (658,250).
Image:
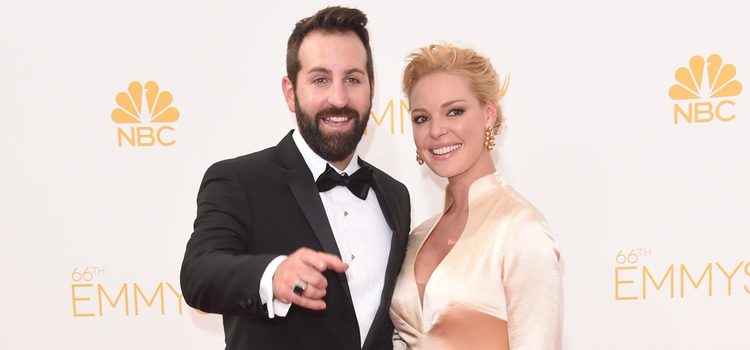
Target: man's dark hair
(331,20)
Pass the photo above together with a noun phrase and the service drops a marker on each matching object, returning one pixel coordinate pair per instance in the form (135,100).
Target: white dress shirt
(362,236)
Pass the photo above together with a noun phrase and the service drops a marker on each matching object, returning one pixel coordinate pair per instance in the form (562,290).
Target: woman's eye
(455,112)
(419,119)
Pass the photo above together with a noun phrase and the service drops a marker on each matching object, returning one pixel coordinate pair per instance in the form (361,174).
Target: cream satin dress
(499,287)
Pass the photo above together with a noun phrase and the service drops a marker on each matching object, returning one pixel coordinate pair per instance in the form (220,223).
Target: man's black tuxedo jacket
(256,207)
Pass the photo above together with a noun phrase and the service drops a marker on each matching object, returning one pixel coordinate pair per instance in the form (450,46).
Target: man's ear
(288,88)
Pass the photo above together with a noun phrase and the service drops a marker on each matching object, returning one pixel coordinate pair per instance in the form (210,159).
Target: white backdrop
(644,203)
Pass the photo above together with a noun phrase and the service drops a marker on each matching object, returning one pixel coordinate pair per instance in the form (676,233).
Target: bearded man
(298,246)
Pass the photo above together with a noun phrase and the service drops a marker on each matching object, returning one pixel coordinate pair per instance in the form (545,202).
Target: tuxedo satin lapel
(385,204)
(387,207)
(302,185)
(307,197)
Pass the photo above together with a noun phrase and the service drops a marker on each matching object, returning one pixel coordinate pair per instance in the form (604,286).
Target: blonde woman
(485,272)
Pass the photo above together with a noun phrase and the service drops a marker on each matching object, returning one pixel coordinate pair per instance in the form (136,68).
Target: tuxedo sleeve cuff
(275,307)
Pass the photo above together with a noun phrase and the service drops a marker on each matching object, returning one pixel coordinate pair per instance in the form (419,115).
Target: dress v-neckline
(473,189)
(430,278)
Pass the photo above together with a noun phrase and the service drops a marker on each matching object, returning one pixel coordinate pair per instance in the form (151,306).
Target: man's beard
(335,146)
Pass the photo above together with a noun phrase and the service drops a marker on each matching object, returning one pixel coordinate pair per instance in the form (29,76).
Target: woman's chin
(441,170)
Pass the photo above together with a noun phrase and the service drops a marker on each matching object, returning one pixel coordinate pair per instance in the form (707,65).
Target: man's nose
(337,95)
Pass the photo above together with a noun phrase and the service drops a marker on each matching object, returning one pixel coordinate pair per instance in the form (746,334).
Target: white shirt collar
(315,163)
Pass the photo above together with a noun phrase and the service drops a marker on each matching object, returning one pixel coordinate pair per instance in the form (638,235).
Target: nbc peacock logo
(143,127)
(712,84)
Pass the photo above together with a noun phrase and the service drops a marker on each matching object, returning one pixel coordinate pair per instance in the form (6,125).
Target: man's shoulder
(259,166)
(266,157)
(263,157)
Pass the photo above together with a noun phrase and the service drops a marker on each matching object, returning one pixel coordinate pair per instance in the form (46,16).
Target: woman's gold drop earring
(489,138)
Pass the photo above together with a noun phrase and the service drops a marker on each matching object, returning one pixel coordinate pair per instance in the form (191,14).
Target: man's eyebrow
(320,69)
(354,70)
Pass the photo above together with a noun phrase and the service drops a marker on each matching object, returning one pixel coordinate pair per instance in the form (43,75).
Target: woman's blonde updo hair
(482,77)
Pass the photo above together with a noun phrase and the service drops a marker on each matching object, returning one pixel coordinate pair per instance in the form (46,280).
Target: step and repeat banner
(628,126)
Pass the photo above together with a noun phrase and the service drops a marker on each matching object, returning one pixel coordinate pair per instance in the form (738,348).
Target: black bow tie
(358,183)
